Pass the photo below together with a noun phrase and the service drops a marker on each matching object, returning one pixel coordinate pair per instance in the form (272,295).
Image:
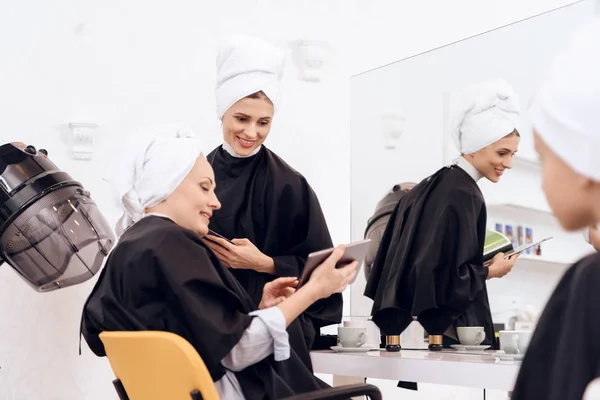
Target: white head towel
(566,109)
(153,170)
(486,113)
(246,65)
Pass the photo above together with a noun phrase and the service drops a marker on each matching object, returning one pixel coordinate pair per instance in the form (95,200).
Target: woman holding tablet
(430,260)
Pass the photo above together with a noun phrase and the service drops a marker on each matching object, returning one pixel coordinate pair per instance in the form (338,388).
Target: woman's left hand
(243,254)
(277,291)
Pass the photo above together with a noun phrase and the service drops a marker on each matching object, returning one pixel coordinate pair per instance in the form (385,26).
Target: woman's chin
(202,230)
(244,151)
(493,178)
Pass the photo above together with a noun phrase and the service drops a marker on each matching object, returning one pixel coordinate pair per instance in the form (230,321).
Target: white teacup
(470,335)
(373,337)
(352,337)
(515,342)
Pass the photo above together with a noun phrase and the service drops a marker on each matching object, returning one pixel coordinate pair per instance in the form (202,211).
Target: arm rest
(340,393)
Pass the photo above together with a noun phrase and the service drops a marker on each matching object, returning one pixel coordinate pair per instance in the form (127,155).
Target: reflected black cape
(266,201)
(430,260)
(162,277)
(564,353)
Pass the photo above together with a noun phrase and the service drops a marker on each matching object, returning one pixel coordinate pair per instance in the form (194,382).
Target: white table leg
(341,380)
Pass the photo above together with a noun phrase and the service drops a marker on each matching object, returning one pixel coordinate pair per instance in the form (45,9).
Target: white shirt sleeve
(266,334)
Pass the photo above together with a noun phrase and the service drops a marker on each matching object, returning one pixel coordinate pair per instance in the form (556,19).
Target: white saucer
(464,347)
(342,349)
(508,357)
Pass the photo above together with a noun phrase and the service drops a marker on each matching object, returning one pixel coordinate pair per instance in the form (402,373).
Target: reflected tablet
(353,252)
(524,247)
(518,250)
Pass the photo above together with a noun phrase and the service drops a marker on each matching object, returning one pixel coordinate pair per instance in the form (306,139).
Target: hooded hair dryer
(51,231)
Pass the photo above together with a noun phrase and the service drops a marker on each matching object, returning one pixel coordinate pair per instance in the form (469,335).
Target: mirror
(399,118)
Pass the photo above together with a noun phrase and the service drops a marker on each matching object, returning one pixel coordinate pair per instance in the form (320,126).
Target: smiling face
(192,203)
(493,160)
(247,123)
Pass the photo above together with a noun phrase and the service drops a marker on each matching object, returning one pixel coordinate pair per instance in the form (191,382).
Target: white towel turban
(566,109)
(486,113)
(152,171)
(246,65)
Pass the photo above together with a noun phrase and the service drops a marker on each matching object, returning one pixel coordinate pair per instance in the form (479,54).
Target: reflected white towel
(486,112)
(566,109)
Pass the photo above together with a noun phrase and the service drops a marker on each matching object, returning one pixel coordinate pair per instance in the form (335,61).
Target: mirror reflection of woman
(430,262)
(268,209)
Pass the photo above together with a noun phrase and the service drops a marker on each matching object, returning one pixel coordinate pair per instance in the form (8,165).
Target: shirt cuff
(274,320)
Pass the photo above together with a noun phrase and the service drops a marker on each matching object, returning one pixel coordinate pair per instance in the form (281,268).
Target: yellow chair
(154,365)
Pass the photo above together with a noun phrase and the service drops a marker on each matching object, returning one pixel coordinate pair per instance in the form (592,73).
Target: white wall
(126,64)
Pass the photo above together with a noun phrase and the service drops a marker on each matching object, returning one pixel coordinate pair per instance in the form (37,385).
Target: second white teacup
(470,335)
(352,337)
(515,342)
(373,337)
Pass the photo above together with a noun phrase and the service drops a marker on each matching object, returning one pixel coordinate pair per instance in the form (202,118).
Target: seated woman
(563,356)
(161,276)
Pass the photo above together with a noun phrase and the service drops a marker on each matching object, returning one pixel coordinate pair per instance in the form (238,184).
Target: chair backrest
(154,365)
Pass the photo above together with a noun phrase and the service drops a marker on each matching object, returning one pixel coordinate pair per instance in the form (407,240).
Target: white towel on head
(152,171)
(246,65)
(486,113)
(566,109)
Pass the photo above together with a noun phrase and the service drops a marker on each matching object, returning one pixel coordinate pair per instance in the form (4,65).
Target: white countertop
(449,367)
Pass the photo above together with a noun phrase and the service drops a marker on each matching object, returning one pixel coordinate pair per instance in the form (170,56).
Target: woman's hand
(277,291)
(326,279)
(500,266)
(243,254)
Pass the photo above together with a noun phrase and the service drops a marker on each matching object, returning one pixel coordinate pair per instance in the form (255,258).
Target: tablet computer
(524,247)
(353,252)
(518,250)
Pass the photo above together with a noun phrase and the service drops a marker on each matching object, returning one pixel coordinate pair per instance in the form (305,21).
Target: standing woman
(268,209)
(430,260)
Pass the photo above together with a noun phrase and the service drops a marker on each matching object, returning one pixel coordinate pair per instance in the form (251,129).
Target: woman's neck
(469,168)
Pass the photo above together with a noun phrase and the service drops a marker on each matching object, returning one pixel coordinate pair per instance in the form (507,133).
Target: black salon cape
(564,353)
(266,201)
(430,259)
(162,277)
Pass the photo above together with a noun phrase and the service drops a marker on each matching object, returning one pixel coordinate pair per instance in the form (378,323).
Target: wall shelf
(520,211)
(529,260)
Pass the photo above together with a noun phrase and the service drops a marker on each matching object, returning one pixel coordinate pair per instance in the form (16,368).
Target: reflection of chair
(153,365)
(378,222)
